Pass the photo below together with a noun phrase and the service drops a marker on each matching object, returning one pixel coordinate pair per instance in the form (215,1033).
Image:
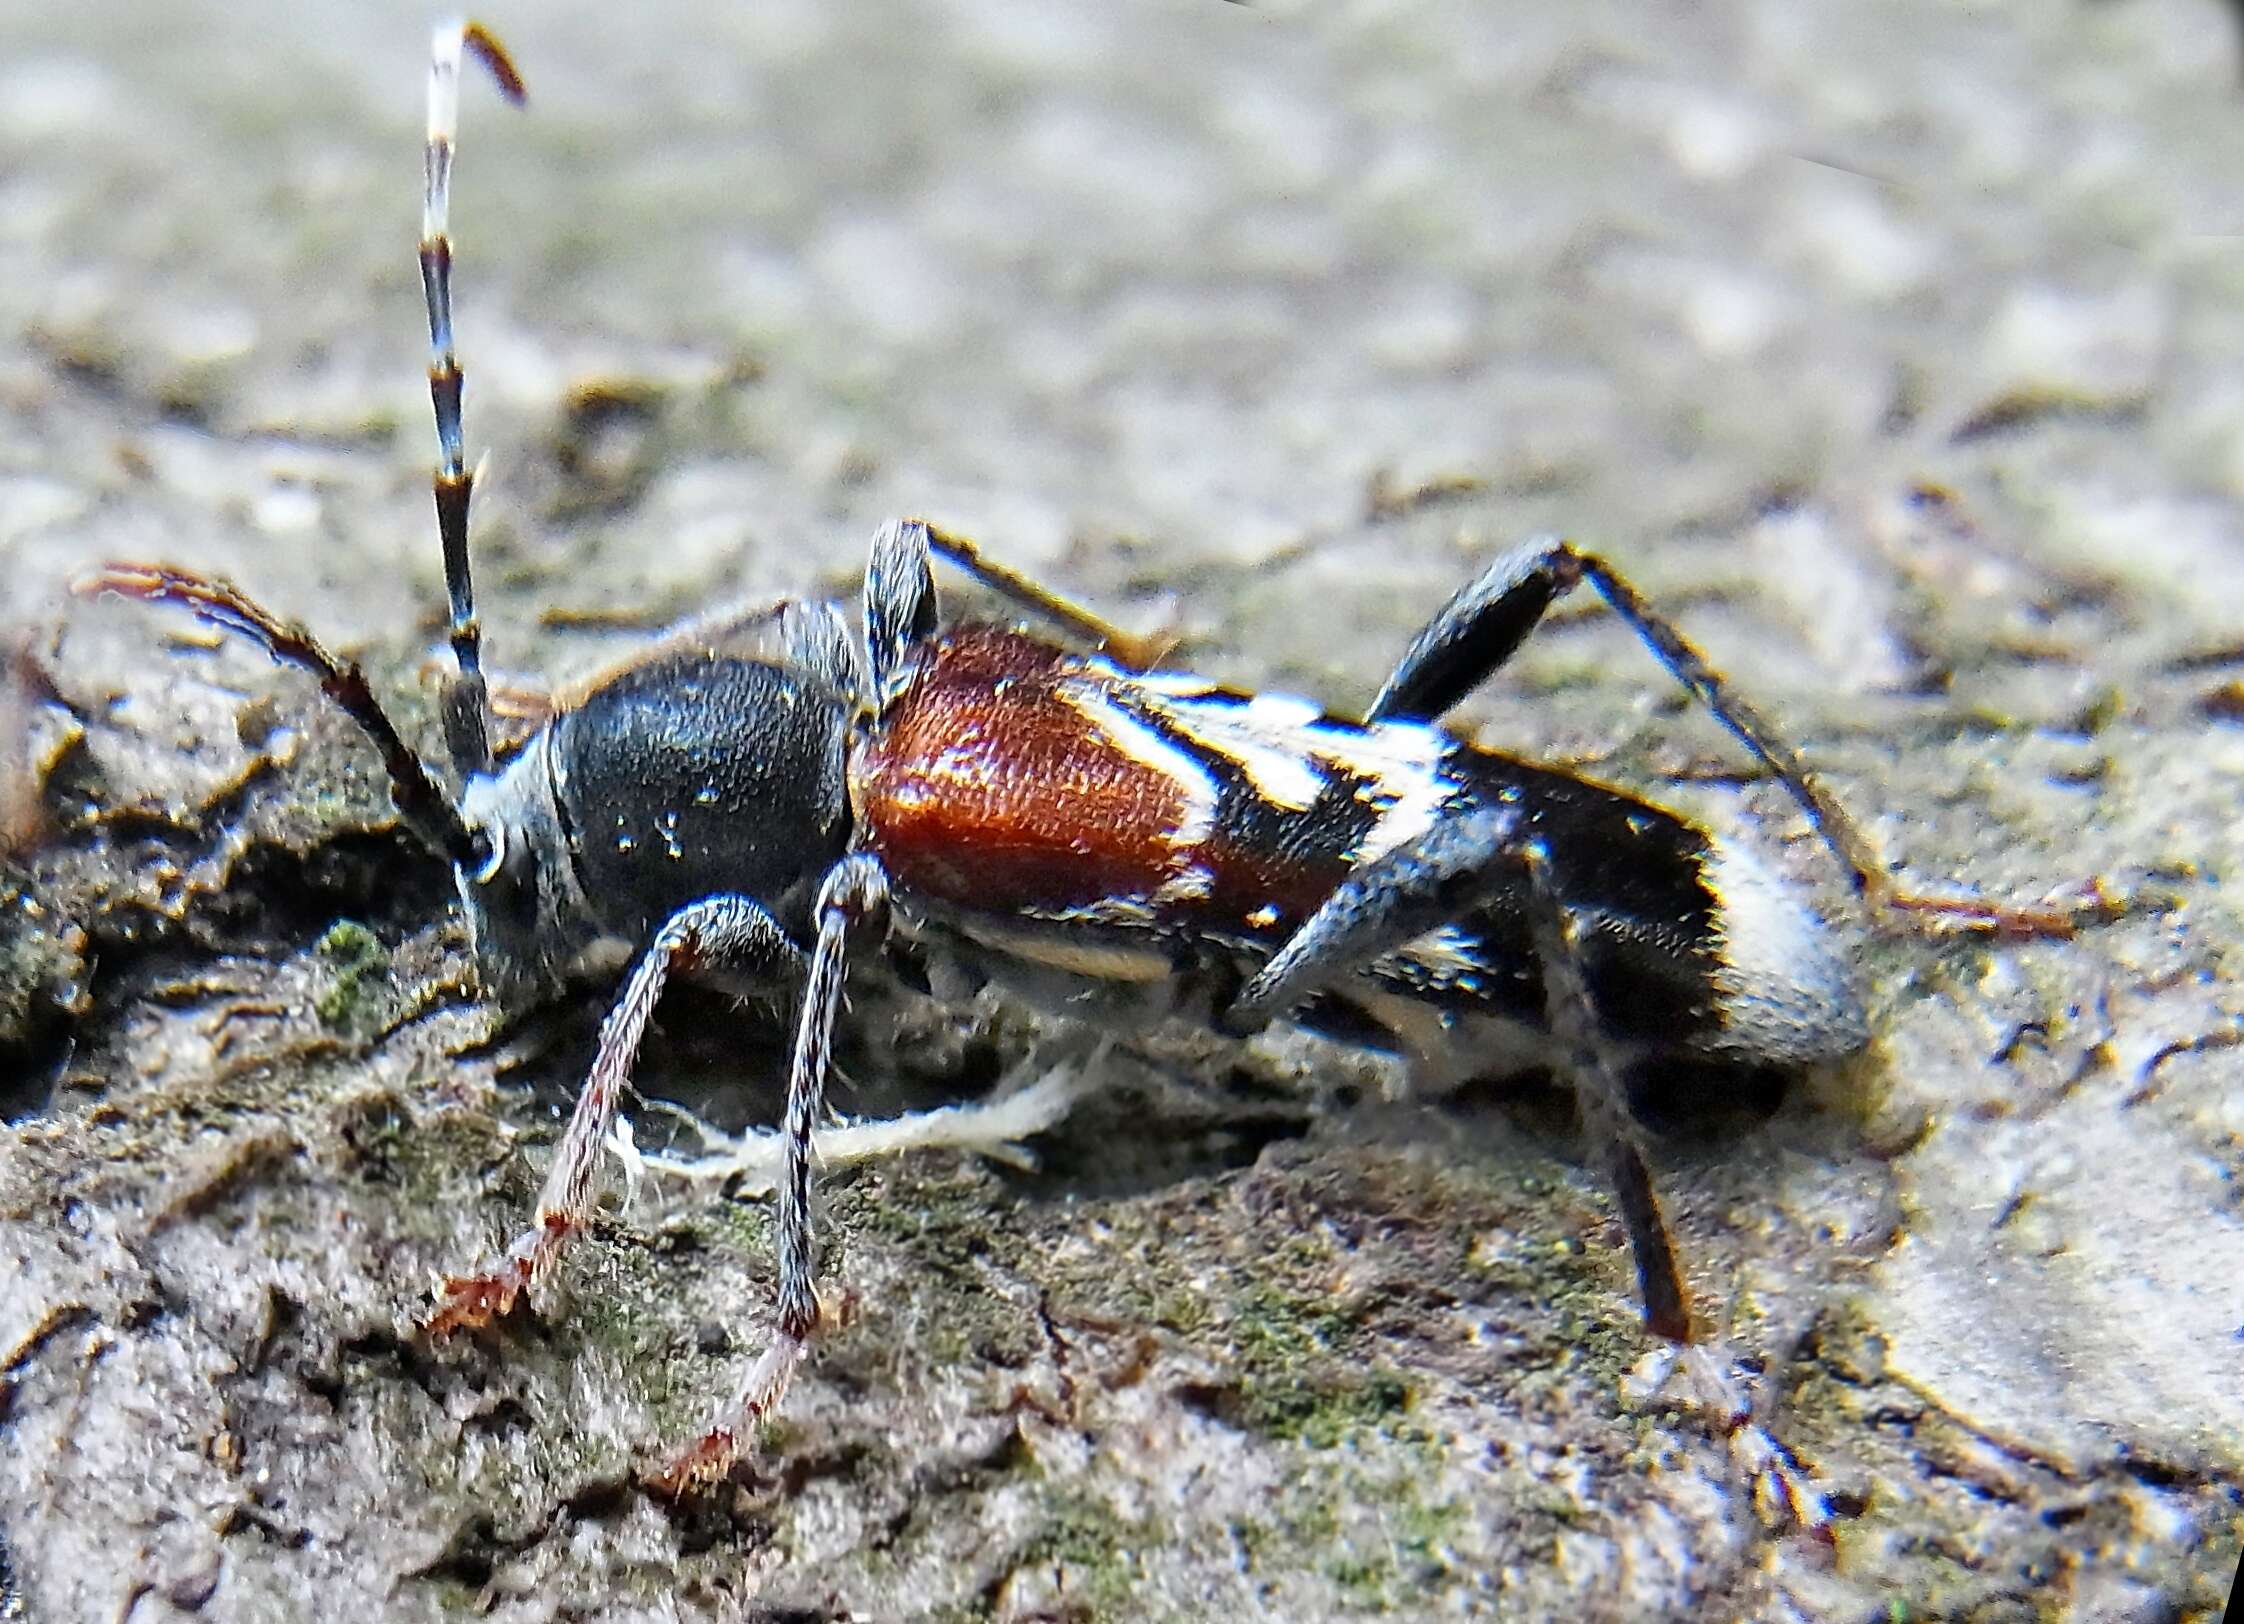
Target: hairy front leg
(730,933)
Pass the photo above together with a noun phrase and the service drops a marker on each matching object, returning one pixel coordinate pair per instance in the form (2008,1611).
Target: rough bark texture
(1895,348)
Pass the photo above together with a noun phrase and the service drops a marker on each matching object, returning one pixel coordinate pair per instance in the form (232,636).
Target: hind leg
(1484,624)
(1718,1387)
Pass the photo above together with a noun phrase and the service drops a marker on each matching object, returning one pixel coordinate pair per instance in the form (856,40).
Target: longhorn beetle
(1067,821)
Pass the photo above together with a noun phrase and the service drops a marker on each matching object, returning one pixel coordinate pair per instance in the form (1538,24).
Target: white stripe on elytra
(1144,744)
(1265,737)
(1403,765)
(1173,684)
(1288,751)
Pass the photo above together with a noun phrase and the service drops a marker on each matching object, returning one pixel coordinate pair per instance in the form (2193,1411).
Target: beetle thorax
(677,780)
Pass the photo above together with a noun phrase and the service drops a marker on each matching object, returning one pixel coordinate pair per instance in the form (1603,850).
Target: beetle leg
(1601,1098)
(1759,1455)
(1397,898)
(1485,623)
(1475,632)
(810,634)
(731,933)
(854,893)
(900,606)
(1139,652)
(1467,856)
(816,638)
(525,701)
(1602,1101)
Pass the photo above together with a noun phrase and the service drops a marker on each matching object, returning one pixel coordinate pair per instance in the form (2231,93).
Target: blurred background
(1898,350)
(1189,298)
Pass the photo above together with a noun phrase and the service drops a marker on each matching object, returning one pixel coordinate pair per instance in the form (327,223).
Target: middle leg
(1139,652)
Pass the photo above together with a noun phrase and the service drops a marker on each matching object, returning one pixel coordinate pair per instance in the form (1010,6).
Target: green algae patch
(354,965)
(1093,1551)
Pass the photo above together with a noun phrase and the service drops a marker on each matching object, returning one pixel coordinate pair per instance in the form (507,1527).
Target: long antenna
(467,703)
(427,810)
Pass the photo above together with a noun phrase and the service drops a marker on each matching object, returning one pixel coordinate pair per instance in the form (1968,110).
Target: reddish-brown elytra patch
(992,783)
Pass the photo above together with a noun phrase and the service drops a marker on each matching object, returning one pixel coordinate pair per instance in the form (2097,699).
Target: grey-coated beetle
(763,789)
